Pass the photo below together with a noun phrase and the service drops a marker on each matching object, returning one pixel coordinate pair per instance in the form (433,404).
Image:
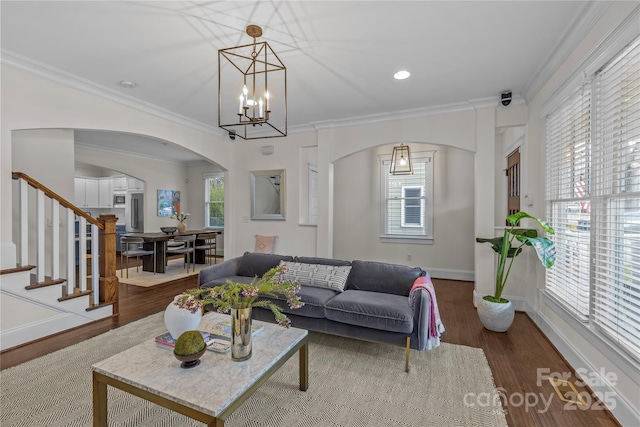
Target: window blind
(568,201)
(407,199)
(616,237)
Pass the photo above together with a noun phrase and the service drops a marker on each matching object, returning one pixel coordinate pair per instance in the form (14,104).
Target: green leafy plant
(511,245)
(241,295)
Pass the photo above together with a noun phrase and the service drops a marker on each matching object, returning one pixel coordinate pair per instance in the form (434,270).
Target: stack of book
(217,338)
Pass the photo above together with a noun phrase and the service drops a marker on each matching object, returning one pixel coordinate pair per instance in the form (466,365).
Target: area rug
(174,270)
(351,383)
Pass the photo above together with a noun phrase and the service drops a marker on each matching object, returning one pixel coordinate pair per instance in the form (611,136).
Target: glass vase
(240,333)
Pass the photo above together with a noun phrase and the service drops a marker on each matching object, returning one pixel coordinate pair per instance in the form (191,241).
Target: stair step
(102,304)
(17,269)
(47,282)
(76,294)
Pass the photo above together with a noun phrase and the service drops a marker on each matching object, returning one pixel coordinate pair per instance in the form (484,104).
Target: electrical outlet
(409,257)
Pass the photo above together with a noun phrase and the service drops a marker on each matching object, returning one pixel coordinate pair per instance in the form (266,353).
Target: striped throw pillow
(321,276)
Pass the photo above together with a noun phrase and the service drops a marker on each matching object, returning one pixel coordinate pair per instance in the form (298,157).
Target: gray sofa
(377,303)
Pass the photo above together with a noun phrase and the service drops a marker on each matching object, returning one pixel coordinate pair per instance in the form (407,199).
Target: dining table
(157,242)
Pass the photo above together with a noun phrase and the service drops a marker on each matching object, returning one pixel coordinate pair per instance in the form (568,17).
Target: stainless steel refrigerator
(135,213)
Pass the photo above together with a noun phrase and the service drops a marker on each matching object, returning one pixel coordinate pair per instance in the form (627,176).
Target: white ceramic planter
(179,320)
(496,317)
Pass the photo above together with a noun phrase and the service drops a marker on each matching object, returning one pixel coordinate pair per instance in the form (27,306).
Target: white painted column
(71,250)
(24,222)
(484,200)
(324,228)
(55,239)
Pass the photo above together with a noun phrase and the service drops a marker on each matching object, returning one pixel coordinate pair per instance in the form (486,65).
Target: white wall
(357,212)
(46,155)
(31,102)
(292,238)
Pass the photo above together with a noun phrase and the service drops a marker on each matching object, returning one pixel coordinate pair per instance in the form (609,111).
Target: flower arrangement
(240,295)
(181,217)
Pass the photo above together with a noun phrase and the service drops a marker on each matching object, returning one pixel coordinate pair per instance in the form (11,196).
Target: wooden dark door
(513,182)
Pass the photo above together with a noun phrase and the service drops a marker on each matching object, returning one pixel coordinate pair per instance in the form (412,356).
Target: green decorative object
(510,245)
(190,346)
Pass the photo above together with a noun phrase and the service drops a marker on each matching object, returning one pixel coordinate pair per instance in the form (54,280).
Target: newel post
(108,292)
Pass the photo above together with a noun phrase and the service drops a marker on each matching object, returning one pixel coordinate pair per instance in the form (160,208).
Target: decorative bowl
(169,230)
(190,361)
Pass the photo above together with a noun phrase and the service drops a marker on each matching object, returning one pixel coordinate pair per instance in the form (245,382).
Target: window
(407,200)
(593,201)
(412,207)
(214,200)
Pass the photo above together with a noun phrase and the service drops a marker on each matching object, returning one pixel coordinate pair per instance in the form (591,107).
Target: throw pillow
(264,244)
(321,276)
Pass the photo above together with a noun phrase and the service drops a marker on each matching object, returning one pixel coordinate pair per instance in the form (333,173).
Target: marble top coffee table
(209,392)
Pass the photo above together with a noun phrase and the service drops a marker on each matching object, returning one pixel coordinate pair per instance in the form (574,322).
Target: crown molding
(394,115)
(62,77)
(574,34)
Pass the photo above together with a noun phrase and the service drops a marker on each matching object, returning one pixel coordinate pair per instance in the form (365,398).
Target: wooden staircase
(48,291)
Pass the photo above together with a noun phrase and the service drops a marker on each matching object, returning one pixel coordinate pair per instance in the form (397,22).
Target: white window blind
(407,200)
(616,274)
(568,201)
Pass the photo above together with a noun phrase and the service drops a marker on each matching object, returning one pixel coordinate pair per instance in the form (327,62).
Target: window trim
(427,194)
(205,179)
(590,329)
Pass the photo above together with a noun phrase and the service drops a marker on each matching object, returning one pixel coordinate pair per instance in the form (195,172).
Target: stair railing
(103,283)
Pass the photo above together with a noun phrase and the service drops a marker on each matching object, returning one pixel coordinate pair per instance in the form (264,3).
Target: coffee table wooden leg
(304,366)
(99,403)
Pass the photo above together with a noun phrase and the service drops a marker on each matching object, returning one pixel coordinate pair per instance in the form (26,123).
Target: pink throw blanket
(436,328)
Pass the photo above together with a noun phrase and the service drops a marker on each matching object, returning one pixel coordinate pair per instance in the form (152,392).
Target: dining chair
(187,250)
(208,245)
(132,247)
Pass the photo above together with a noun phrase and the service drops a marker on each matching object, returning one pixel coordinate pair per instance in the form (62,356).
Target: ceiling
(340,55)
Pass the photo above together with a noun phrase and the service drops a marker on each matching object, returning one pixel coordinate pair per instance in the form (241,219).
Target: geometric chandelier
(252,90)
(401,163)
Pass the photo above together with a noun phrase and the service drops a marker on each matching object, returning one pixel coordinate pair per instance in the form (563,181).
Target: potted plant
(181,218)
(496,313)
(239,299)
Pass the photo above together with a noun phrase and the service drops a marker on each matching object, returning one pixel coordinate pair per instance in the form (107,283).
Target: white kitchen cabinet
(79,190)
(86,192)
(134,184)
(92,198)
(105,193)
(119,183)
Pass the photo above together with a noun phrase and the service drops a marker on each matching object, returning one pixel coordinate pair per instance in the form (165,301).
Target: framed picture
(168,202)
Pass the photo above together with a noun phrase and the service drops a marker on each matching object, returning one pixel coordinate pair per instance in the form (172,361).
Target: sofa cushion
(314,301)
(322,261)
(371,310)
(223,280)
(253,264)
(382,277)
(317,275)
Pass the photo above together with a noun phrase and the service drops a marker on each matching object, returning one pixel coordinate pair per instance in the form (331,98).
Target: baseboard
(443,273)
(39,329)
(623,410)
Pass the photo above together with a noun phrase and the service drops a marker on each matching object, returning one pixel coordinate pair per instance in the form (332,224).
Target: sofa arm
(426,317)
(420,300)
(226,268)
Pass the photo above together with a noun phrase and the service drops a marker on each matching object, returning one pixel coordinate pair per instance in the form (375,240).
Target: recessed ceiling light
(401,75)
(127,84)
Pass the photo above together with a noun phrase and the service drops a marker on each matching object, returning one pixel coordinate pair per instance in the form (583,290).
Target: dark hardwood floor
(514,357)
